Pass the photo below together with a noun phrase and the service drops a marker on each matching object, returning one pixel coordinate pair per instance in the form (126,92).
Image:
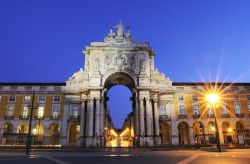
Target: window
(55,110)
(196,109)
(236,97)
(25,112)
(248,97)
(75,112)
(78,128)
(163,110)
(195,98)
(182,110)
(12,98)
(56,99)
(43,88)
(10,111)
(28,88)
(40,112)
(248,107)
(181,98)
(27,98)
(41,99)
(224,110)
(237,109)
(13,88)
(58,88)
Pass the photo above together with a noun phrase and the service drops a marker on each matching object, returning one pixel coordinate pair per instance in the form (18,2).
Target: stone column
(102,117)
(97,118)
(174,124)
(141,112)
(149,117)
(136,116)
(90,117)
(157,139)
(191,135)
(156,118)
(45,136)
(82,122)
(64,126)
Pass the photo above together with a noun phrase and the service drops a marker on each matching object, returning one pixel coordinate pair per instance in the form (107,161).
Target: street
(129,156)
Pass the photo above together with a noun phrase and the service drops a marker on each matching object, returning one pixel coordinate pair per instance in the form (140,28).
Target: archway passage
(242,133)
(119,95)
(165,133)
(54,134)
(38,133)
(120,78)
(183,133)
(22,131)
(211,133)
(198,130)
(74,132)
(227,132)
(8,128)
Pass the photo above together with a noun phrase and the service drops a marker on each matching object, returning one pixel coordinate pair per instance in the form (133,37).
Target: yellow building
(75,112)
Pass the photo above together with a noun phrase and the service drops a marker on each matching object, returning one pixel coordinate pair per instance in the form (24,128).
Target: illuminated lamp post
(213,102)
(29,137)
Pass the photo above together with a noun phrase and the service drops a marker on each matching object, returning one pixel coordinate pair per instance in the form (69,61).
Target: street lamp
(213,102)
(29,138)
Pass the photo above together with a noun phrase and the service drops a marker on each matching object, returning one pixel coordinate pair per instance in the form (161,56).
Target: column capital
(141,98)
(85,99)
(90,99)
(97,98)
(155,100)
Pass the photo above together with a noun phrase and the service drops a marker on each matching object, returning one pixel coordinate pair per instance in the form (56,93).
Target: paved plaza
(125,156)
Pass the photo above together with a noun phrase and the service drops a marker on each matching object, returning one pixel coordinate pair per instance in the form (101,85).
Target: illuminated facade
(75,112)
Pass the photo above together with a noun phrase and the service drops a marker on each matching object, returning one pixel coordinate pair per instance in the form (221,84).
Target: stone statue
(97,64)
(108,59)
(120,29)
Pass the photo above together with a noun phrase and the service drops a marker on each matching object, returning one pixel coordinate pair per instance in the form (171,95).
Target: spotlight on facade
(212,99)
(229,130)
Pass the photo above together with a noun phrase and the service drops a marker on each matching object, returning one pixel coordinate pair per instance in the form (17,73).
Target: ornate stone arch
(119,77)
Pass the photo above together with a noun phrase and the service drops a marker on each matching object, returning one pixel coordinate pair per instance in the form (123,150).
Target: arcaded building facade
(75,112)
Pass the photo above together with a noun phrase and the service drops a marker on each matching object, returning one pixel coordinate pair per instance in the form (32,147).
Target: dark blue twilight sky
(43,40)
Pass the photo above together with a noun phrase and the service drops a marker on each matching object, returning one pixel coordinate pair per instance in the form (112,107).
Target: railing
(9,117)
(54,117)
(163,117)
(210,116)
(226,115)
(182,116)
(239,115)
(39,117)
(196,115)
(74,118)
(23,117)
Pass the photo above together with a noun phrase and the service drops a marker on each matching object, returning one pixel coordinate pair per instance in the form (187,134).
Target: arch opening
(165,133)
(120,78)
(74,134)
(183,133)
(199,135)
(120,98)
(54,134)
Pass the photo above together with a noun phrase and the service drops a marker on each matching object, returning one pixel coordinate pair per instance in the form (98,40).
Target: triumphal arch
(119,60)
(75,113)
